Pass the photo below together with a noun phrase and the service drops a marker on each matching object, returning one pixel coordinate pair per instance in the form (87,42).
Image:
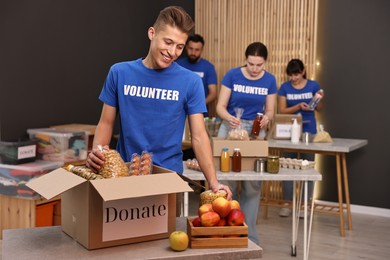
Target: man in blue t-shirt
(202,67)
(152,97)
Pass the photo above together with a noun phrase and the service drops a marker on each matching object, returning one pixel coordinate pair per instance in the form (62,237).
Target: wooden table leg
(340,195)
(346,190)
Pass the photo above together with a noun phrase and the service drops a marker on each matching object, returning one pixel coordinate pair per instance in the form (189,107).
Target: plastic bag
(238,133)
(322,136)
(84,171)
(141,164)
(114,166)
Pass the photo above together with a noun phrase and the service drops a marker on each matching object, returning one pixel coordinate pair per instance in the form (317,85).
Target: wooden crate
(223,237)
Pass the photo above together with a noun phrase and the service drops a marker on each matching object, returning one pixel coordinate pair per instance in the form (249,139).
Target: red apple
(196,222)
(235,218)
(178,240)
(221,206)
(209,219)
(222,222)
(234,204)
(205,208)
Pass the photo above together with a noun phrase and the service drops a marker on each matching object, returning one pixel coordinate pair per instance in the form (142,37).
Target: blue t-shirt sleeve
(196,102)
(282,90)
(109,91)
(316,87)
(227,79)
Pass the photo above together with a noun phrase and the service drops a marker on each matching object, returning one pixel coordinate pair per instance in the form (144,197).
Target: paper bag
(322,137)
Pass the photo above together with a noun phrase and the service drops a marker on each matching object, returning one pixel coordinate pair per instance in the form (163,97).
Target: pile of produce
(220,212)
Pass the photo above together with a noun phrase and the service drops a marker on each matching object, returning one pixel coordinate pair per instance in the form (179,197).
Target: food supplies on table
(297,164)
(193,165)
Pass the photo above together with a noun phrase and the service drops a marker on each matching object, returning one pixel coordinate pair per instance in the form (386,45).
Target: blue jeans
(288,185)
(249,196)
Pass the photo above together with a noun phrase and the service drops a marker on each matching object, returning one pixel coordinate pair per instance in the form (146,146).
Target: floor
(369,238)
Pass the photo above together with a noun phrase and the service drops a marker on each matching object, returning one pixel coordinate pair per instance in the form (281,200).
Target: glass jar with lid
(273,164)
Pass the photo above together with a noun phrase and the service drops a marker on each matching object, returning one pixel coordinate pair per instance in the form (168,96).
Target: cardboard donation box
(281,127)
(250,151)
(117,211)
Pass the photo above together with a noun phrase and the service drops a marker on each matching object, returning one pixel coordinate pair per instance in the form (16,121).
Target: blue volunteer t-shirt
(248,94)
(152,106)
(204,69)
(295,96)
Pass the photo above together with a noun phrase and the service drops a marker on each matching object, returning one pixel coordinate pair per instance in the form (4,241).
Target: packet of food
(114,166)
(84,172)
(238,133)
(209,196)
(146,163)
(135,164)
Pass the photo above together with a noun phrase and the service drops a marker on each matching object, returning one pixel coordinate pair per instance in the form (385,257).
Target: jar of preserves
(256,125)
(273,164)
(225,160)
(236,160)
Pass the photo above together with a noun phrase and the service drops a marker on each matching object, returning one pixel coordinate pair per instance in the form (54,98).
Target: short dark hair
(257,49)
(195,38)
(295,66)
(175,16)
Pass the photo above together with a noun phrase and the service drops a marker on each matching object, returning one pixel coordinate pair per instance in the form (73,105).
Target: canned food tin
(273,164)
(261,165)
(305,137)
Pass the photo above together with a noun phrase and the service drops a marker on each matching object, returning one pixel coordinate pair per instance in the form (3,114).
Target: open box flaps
(162,181)
(140,186)
(55,183)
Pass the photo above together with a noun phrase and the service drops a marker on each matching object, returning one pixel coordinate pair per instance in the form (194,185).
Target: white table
(53,243)
(283,175)
(338,148)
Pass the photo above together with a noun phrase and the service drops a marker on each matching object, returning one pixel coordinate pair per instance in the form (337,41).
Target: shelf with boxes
(60,145)
(22,207)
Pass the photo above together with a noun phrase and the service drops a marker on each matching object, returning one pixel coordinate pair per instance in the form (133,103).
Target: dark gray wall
(55,55)
(353,49)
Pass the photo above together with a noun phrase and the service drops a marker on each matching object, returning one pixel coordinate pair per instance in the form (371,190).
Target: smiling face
(255,66)
(167,44)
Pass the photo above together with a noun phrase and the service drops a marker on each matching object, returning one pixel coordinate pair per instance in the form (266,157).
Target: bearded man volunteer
(200,66)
